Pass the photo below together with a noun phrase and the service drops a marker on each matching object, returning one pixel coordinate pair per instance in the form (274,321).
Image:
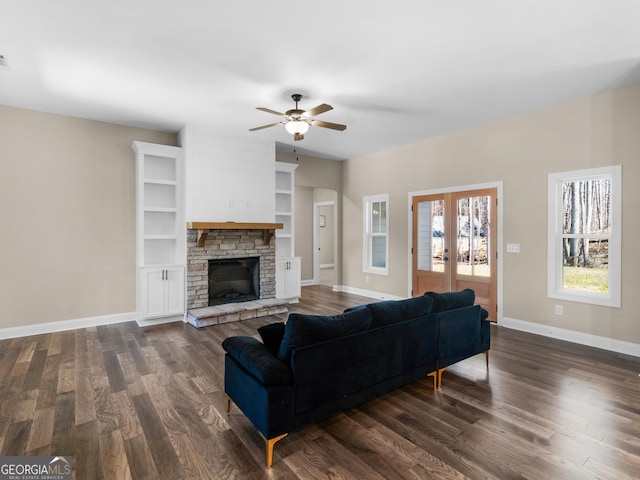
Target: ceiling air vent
(4,64)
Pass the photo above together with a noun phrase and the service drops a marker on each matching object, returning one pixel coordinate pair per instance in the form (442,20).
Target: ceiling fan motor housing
(295,113)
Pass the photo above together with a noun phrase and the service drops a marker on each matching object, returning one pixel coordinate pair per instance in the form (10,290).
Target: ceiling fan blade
(333,126)
(318,110)
(268,110)
(266,126)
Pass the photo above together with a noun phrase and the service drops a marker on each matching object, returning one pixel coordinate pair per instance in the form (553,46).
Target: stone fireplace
(231,244)
(227,244)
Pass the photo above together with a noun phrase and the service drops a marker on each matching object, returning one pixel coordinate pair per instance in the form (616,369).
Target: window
(584,236)
(376,240)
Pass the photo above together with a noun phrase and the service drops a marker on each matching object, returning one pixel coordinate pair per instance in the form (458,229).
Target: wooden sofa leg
(270,443)
(434,374)
(437,377)
(440,372)
(228,404)
(486,354)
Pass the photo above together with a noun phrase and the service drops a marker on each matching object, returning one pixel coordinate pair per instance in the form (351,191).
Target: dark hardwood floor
(149,403)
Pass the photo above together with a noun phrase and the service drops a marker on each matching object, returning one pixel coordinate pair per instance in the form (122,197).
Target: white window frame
(554,246)
(368,236)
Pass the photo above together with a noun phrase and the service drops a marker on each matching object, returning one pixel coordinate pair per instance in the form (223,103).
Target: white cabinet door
(153,292)
(162,291)
(174,280)
(288,278)
(293,278)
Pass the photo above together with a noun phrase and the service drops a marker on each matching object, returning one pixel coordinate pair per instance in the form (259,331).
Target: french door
(455,244)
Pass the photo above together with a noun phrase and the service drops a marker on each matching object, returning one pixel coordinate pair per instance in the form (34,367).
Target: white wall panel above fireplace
(228,179)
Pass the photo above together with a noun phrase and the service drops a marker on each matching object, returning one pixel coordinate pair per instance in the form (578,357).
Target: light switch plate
(513,248)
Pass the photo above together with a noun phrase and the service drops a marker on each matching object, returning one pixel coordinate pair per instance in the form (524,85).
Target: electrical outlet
(366,278)
(559,310)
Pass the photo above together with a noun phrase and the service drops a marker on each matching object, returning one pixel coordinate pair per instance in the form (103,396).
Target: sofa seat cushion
(443,302)
(259,360)
(390,312)
(302,330)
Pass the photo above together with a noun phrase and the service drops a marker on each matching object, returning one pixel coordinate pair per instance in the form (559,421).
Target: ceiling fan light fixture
(297,126)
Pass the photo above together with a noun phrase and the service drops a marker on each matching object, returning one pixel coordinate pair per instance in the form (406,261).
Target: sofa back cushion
(302,330)
(443,302)
(390,312)
(336,370)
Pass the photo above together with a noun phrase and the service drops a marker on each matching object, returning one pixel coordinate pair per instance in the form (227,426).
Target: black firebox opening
(234,280)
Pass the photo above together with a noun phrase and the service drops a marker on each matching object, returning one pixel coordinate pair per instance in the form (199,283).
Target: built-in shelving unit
(285,187)
(287,265)
(160,232)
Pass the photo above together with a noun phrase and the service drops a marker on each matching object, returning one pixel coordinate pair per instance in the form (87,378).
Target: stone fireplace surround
(227,244)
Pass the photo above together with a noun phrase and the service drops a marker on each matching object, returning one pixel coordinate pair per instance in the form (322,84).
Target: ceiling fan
(297,121)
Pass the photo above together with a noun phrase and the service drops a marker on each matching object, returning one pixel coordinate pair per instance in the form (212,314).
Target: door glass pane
(472,236)
(431,236)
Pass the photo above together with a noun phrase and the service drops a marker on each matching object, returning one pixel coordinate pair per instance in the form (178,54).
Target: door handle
(446,259)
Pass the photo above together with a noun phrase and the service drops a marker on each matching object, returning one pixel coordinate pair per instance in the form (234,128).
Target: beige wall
(521,152)
(327,238)
(68,220)
(304,230)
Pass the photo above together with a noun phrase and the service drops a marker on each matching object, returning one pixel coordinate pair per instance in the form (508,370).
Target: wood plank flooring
(132,403)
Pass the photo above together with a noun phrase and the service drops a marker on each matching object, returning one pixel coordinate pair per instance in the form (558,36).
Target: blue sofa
(316,366)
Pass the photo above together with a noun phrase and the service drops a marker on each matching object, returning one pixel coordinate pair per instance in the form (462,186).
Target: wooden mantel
(203,228)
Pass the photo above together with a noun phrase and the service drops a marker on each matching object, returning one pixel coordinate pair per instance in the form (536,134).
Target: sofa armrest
(259,360)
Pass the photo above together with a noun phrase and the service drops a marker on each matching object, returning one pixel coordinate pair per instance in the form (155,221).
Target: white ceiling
(395,72)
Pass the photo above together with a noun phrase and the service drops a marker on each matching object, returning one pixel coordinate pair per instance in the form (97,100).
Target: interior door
(454,244)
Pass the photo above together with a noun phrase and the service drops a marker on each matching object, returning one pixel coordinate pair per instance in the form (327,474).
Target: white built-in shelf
(287,265)
(160,232)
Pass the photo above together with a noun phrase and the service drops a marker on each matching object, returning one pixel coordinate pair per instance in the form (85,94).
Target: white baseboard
(159,321)
(327,265)
(306,283)
(596,341)
(366,293)
(51,327)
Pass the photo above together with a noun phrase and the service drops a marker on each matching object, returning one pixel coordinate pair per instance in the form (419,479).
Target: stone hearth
(235,312)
